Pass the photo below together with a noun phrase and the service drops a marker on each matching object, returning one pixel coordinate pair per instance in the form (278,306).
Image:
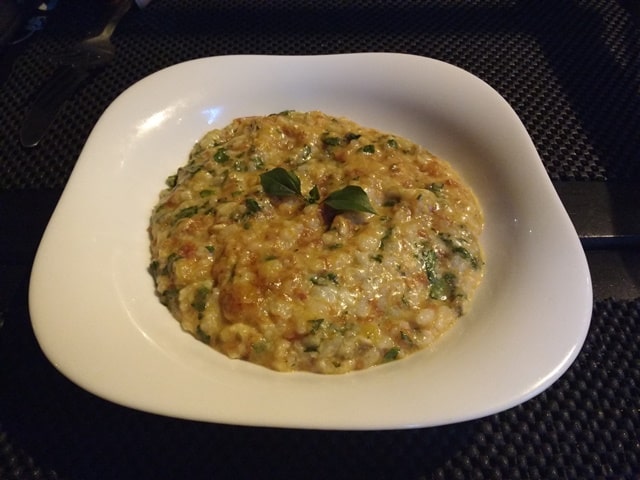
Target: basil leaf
(350,197)
(280,182)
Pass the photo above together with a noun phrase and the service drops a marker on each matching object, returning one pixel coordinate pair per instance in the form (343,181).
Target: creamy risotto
(300,241)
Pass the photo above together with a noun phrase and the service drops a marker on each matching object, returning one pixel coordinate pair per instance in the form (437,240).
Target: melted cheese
(288,282)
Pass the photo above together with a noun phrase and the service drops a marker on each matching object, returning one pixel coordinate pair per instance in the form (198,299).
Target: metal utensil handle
(121,7)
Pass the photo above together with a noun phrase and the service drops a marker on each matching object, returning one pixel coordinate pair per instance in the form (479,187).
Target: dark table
(570,69)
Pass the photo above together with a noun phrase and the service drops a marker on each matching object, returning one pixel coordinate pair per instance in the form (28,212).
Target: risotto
(303,242)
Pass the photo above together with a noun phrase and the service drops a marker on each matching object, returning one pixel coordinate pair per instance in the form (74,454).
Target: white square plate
(97,319)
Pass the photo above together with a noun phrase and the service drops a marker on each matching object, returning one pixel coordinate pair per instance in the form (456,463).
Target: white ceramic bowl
(97,319)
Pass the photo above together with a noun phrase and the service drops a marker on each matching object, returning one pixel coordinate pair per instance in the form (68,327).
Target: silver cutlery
(74,68)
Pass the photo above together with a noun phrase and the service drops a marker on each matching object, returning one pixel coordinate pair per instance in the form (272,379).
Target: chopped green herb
(252,206)
(456,247)
(405,337)
(169,296)
(324,279)
(305,153)
(202,336)
(436,188)
(171,259)
(221,155)
(351,136)
(376,258)
(385,237)
(154,268)
(259,347)
(391,354)
(171,181)
(331,141)
(443,288)
(210,248)
(428,260)
(464,253)
(258,163)
(392,143)
(200,299)
(369,149)
(316,323)
(187,212)
(206,193)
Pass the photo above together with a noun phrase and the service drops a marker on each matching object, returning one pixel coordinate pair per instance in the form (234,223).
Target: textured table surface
(570,69)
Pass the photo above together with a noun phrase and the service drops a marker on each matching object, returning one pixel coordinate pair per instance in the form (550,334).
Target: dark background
(570,69)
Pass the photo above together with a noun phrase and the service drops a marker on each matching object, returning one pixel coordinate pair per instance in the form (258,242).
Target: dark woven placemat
(570,69)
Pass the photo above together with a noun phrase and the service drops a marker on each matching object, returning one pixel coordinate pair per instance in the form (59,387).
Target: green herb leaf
(443,288)
(171,181)
(200,299)
(455,245)
(369,149)
(304,154)
(252,205)
(428,260)
(331,141)
(436,188)
(221,156)
(316,323)
(324,279)
(351,136)
(187,212)
(350,197)
(405,337)
(280,182)
(154,269)
(258,163)
(376,258)
(385,237)
(391,354)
